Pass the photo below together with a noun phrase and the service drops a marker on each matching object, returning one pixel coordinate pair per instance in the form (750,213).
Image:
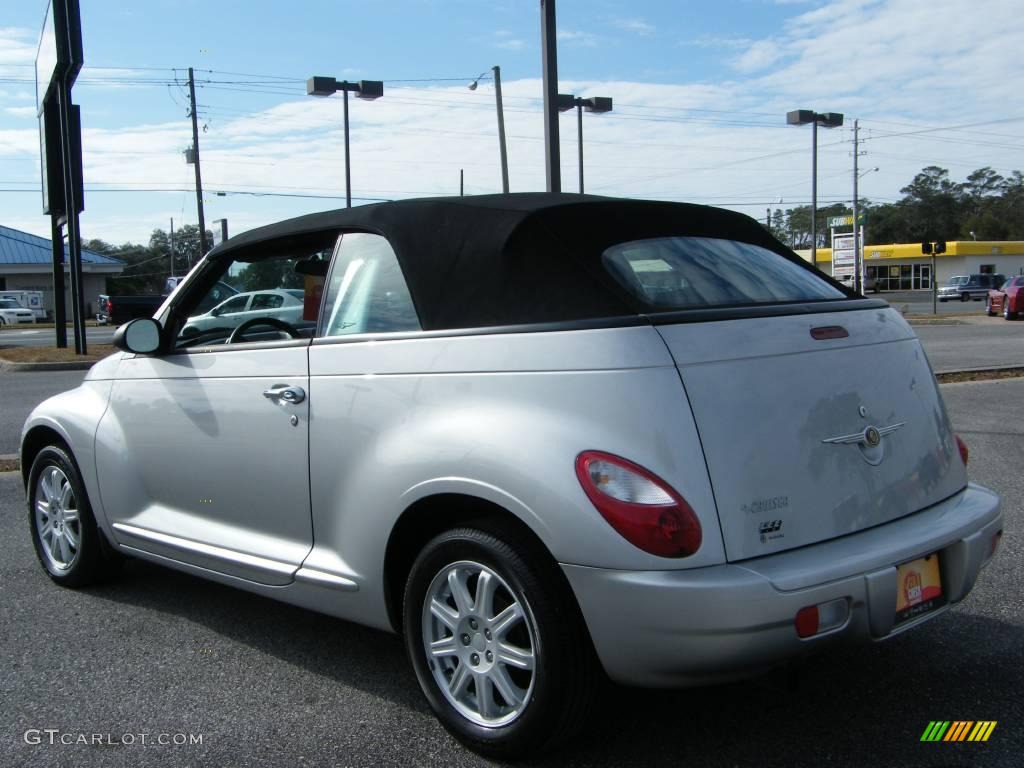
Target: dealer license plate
(918,588)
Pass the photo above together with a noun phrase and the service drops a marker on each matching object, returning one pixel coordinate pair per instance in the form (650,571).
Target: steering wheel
(280,325)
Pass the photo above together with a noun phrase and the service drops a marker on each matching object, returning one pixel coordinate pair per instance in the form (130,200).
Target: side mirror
(141,336)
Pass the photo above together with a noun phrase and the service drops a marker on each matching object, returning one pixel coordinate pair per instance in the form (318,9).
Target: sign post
(58,61)
(847,263)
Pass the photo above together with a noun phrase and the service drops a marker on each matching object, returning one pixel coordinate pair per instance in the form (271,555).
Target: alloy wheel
(480,643)
(57,518)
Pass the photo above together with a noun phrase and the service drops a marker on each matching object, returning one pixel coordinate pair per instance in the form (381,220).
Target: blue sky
(700,93)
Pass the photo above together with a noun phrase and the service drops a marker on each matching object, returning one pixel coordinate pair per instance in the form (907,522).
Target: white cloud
(578,38)
(17,45)
(758,56)
(711,41)
(21,111)
(511,44)
(637,26)
(508,41)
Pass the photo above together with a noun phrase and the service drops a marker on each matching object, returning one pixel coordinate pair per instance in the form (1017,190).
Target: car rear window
(668,273)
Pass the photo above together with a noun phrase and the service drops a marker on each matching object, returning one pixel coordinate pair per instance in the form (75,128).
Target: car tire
(538,666)
(988,307)
(69,546)
(2,322)
(965,297)
(1007,314)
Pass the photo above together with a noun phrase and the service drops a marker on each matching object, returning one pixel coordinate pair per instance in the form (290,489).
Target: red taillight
(640,506)
(963,449)
(807,621)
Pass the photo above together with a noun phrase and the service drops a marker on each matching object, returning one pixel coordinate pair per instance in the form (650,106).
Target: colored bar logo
(959,730)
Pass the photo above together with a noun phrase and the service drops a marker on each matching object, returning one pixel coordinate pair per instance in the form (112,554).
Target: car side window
(232,306)
(276,281)
(366,291)
(267,301)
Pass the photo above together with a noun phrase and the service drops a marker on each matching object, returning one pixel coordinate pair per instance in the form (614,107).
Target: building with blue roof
(26,264)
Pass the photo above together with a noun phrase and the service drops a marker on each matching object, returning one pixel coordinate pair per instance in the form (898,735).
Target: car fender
(74,415)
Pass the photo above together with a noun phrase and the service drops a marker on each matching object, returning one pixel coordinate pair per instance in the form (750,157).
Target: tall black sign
(58,61)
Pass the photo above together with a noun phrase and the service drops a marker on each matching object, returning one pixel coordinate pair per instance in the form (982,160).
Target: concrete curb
(982,369)
(69,365)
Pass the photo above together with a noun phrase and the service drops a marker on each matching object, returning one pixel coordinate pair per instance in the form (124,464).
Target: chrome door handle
(285,393)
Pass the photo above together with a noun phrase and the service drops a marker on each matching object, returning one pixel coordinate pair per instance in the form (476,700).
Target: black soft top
(498,260)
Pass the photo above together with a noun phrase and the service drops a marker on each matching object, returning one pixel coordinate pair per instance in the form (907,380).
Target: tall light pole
(858,246)
(827,120)
(549,60)
(598,104)
(364,89)
(503,155)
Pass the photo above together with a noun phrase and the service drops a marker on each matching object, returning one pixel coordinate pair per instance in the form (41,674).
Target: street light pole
(826,120)
(549,46)
(501,128)
(579,138)
(599,104)
(368,90)
(502,152)
(348,162)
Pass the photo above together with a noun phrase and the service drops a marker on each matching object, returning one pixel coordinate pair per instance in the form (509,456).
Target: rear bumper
(679,628)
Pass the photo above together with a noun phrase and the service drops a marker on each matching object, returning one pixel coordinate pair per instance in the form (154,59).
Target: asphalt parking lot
(158,654)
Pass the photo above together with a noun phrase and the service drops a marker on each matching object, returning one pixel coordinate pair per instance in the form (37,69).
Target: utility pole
(462,186)
(814,194)
(195,159)
(549,46)
(501,129)
(856,227)
(172,246)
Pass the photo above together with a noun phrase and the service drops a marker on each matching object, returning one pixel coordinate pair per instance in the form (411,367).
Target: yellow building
(902,266)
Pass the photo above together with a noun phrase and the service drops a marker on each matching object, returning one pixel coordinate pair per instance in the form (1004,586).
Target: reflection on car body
(543,437)
(285,305)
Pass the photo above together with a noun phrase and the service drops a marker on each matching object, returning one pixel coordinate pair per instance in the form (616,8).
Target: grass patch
(960,376)
(53,355)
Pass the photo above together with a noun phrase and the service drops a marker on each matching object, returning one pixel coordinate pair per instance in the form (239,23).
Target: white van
(32,300)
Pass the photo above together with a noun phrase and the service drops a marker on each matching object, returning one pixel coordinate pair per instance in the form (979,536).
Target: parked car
(12,313)
(537,435)
(967,287)
(1007,300)
(117,310)
(285,305)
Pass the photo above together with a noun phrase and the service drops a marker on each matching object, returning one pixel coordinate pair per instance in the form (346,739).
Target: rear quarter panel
(498,417)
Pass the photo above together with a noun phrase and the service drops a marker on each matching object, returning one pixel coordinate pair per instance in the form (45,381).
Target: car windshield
(959,280)
(8,304)
(693,272)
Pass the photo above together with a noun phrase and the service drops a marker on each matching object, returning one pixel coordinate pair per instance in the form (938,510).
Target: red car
(1008,300)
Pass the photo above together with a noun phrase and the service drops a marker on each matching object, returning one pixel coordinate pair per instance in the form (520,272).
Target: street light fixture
(364,89)
(598,104)
(501,122)
(826,120)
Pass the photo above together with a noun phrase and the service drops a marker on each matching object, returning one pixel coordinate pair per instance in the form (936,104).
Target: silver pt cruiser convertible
(546,438)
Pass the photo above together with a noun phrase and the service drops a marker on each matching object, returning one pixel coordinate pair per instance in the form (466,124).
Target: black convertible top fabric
(495,260)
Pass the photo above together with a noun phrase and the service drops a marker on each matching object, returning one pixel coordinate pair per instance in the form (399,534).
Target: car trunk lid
(814,426)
